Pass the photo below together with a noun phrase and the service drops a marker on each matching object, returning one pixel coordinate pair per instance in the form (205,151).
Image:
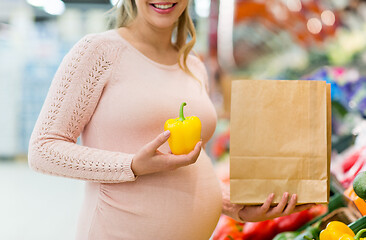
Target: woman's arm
(70,103)
(229,209)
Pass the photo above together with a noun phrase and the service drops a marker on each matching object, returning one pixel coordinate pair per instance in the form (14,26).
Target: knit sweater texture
(117,100)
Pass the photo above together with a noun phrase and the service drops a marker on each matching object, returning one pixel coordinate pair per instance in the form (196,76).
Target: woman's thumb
(159,140)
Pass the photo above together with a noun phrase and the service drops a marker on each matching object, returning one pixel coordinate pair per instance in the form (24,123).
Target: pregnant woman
(116,89)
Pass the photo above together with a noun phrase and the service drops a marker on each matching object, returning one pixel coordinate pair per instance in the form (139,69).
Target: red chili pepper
(293,221)
(318,210)
(351,160)
(265,230)
(228,229)
(346,182)
(234,236)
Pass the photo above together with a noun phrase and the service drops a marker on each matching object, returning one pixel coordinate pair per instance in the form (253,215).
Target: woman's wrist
(228,208)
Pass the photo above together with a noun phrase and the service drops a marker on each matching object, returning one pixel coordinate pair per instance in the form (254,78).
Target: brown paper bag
(279,140)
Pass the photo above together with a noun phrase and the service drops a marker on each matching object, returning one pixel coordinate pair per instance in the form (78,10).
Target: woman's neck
(160,39)
(154,43)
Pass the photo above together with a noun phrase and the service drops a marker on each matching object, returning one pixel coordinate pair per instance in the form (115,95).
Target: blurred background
(236,39)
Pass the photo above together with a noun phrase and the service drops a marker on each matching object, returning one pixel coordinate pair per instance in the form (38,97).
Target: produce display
(230,229)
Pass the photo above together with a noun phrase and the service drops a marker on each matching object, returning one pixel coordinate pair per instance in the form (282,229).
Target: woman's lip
(163,11)
(163,3)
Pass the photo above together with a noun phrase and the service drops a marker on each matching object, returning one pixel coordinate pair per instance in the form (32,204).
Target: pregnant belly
(180,204)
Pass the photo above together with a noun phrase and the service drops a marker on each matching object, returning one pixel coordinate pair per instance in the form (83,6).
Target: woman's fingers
(264,212)
(267,204)
(150,160)
(193,155)
(184,160)
(282,210)
(291,205)
(302,207)
(158,141)
(281,205)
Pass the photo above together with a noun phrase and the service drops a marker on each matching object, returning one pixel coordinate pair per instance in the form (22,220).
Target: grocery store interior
(236,39)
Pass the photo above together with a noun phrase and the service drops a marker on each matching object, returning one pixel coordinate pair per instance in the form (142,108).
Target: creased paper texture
(279,140)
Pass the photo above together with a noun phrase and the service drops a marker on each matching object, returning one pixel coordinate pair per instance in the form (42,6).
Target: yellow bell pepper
(339,231)
(185,133)
(336,231)
(346,237)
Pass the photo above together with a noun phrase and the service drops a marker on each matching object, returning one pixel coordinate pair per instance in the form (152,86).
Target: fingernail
(271,195)
(285,194)
(166,133)
(294,196)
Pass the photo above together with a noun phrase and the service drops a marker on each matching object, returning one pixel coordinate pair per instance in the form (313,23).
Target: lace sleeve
(70,103)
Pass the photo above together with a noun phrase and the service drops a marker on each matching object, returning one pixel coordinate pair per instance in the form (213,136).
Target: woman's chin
(162,23)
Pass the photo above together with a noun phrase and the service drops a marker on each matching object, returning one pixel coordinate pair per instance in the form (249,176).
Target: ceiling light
(202,8)
(54,7)
(115,2)
(36,3)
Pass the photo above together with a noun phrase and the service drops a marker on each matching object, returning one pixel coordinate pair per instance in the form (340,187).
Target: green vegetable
(286,236)
(311,232)
(359,185)
(358,225)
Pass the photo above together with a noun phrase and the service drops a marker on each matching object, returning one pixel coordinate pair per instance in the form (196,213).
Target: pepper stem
(181,114)
(359,234)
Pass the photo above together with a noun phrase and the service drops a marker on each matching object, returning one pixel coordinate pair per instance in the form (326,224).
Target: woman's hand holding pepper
(266,211)
(150,160)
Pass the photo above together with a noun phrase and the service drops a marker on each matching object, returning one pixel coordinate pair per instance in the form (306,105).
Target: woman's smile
(163,7)
(161,14)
